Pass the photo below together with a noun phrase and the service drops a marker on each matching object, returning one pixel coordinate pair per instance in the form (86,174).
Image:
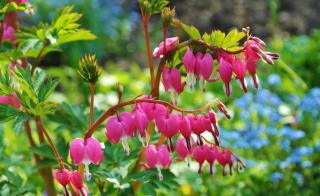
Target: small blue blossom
(285,144)
(274,79)
(306,164)
(276,176)
(299,178)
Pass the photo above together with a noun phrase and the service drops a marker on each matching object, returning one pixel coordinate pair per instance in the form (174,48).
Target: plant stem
(38,59)
(155,90)
(46,134)
(45,173)
(145,19)
(92,88)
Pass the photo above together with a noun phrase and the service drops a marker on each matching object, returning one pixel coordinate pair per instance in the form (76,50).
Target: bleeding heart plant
(24,94)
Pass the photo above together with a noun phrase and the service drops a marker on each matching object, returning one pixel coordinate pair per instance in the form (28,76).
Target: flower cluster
(124,125)
(159,157)
(200,66)
(72,178)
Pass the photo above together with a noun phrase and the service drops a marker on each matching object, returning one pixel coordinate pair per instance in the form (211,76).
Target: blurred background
(275,130)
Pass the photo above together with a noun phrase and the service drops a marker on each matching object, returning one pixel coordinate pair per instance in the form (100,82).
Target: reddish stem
(145,19)
(45,173)
(46,134)
(92,88)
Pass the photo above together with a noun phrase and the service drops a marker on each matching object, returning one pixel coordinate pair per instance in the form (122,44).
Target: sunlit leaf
(192,31)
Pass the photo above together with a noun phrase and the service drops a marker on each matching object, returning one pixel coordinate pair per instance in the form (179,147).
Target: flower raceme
(200,66)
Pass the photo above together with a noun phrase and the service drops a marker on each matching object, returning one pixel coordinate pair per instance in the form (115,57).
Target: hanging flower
(86,151)
(170,44)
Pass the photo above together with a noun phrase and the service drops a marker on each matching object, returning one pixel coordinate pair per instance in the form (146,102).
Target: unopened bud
(167,15)
(222,108)
(258,40)
(246,30)
(89,69)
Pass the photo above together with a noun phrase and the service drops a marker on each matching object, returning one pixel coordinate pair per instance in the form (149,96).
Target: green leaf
(8,112)
(43,150)
(232,39)
(206,38)
(76,35)
(191,31)
(217,38)
(6,82)
(23,76)
(8,56)
(46,89)
(19,122)
(6,45)
(39,78)
(221,40)
(43,109)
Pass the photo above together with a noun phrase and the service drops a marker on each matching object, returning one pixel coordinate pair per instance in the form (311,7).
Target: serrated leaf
(232,39)
(206,38)
(191,31)
(46,89)
(8,56)
(76,35)
(8,112)
(217,38)
(23,76)
(39,78)
(43,109)
(19,122)
(6,82)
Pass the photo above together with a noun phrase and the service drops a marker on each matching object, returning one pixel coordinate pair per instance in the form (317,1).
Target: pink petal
(114,130)
(62,176)
(77,151)
(151,155)
(93,150)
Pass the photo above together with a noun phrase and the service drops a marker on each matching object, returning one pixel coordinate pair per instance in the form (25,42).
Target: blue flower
(285,144)
(274,79)
(306,164)
(276,176)
(299,177)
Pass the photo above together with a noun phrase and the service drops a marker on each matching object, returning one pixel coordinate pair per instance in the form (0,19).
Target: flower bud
(167,15)
(89,69)
(62,176)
